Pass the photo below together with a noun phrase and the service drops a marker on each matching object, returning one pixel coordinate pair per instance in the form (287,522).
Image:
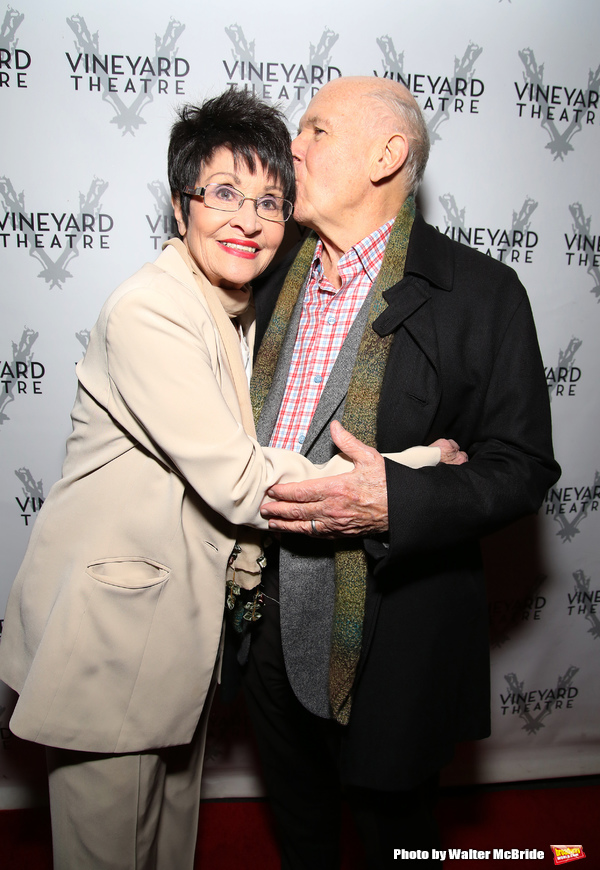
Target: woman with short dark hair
(113,626)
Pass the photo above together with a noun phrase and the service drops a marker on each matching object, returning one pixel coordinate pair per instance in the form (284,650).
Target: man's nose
(298,147)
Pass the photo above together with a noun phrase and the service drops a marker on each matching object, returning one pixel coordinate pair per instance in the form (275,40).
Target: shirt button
(317,379)
(301,439)
(331,320)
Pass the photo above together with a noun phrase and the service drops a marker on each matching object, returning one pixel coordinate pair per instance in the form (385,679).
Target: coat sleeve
(163,391)
(511,463)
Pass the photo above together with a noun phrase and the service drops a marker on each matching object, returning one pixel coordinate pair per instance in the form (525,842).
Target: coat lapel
(412,386)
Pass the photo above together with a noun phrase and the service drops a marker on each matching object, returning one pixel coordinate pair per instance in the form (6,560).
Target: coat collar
(429,263)
(430,255)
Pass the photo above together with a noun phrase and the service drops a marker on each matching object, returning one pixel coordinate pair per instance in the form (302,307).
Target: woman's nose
(246,217)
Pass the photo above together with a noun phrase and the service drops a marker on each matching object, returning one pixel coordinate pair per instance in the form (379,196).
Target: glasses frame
(200,191)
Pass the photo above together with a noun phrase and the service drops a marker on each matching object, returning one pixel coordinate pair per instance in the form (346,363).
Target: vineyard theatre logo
(14,62)
(55,237)
(127,81)
(535,705)
(32,497)
(583,246)
(508,614)
(571,505)
(441,95)
(584,601)
(83,337)
(289,82)
(564,378)
(21,375)
(514,244)
(562,109)
(162,222)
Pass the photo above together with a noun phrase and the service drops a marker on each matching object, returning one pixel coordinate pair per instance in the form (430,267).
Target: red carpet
(237,835)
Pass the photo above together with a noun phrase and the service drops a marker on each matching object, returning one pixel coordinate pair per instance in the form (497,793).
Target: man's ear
(390,158)
(176,203)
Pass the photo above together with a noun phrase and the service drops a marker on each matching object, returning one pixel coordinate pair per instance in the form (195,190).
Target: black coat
(464,364)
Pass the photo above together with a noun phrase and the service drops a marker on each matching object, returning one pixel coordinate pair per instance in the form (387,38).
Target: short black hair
(237,120)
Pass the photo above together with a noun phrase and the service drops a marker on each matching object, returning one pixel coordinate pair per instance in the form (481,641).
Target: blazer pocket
(130,572)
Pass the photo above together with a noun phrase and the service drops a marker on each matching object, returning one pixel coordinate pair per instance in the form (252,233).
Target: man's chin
(302,217)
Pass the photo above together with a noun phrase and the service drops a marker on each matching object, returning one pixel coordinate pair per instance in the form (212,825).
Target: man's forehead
(327,112)
(313,119)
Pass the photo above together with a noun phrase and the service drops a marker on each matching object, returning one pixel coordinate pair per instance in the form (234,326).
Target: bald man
(371,660)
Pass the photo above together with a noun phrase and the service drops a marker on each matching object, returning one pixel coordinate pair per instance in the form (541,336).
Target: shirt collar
(366,255)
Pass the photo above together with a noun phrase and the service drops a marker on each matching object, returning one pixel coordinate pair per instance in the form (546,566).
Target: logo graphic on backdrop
(442,94)
(22,374)
(507,614)
(535,705)
(162,223)
(55,237)
(128,82)
(292,83)
(14,62)
(564,378)
(584,601)
(571,505)
(83,337)
(583,247)
(562,109)
(514,244)
(32,497)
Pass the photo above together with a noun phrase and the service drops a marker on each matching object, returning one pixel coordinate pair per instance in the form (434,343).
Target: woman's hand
(451,453)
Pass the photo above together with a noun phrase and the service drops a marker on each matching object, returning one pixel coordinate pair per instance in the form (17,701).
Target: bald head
(360,151)
(383,105)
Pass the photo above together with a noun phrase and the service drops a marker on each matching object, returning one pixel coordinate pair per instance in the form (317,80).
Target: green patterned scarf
(360,418)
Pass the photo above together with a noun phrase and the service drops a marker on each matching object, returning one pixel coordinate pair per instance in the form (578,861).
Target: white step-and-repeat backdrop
(510,90)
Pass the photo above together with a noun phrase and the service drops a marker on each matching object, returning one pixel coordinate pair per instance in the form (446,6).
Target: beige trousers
(126,812)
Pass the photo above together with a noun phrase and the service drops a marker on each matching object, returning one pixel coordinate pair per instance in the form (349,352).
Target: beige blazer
(113,624)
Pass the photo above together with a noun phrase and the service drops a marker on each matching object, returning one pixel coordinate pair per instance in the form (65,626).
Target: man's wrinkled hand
(345,505)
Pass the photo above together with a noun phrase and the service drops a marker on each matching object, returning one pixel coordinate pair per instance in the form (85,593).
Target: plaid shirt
(327,315)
